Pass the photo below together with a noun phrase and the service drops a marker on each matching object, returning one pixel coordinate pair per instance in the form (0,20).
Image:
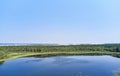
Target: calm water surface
(61,66)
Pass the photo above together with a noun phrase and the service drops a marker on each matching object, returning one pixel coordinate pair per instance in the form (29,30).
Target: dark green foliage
(110,48)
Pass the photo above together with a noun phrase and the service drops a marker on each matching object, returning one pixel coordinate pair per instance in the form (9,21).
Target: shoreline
(11,56)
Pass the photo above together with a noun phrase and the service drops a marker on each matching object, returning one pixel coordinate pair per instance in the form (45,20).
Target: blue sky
(60,21)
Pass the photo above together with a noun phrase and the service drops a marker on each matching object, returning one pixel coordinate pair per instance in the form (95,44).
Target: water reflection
(59,60)
(1,62)
(81,74)
(117,56)
(43,56)
(34,60)
(61,66)
(67,61)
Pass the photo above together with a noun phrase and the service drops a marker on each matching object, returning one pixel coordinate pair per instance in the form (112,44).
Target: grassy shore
(10,56)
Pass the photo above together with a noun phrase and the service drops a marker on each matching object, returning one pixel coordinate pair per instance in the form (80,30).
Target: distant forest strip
(106,49)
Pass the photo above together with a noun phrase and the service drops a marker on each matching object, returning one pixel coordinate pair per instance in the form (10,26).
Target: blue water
(61,66)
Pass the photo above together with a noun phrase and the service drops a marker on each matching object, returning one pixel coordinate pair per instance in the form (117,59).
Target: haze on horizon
(60,21)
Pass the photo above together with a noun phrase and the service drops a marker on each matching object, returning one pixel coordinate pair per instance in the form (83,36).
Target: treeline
(70,48)
(108,49)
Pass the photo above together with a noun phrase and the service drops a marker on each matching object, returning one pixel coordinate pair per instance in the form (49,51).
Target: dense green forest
(8,51)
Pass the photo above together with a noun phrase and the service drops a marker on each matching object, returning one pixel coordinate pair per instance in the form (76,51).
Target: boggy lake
(61,66)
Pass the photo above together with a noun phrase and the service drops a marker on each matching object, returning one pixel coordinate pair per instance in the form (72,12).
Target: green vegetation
(118,74)
(10,52)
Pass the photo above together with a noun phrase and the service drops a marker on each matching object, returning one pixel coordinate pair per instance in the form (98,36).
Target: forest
(7,52)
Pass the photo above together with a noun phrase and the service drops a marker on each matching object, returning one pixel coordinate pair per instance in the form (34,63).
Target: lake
(61,66)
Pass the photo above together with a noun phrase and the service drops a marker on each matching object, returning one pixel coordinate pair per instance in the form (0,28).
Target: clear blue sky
(60,21)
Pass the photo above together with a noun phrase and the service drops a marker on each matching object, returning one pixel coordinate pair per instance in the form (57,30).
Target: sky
(60,21)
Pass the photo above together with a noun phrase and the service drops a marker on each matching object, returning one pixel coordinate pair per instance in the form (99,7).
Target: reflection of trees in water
(31,61)
(66,61)
(41,56)
(101,54)
(117,56)
(81,74)
(1,62)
